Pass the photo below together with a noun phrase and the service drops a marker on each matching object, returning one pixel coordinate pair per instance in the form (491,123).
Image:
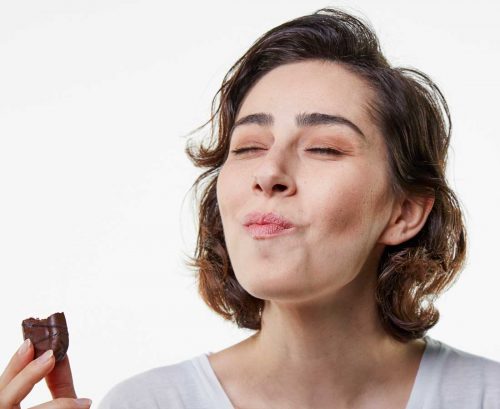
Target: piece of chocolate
(48,333)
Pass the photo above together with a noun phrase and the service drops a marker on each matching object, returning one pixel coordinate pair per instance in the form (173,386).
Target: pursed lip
(268,231)
(261,218)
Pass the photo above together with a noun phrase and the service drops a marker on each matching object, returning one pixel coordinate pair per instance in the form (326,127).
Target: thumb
(60,380)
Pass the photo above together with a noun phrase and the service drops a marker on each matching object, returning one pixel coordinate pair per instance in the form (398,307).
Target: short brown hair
(415,122)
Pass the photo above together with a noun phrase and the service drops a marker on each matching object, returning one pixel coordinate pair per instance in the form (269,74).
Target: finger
(60,380)
(65,403)
(16,364)
(22,384)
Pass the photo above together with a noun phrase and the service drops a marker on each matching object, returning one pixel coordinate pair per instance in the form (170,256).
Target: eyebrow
(301,120)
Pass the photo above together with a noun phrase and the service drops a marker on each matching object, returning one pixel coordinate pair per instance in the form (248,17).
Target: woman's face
(339,203)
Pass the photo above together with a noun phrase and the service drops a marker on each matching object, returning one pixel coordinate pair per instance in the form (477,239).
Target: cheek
(231,201)
(234,186)
(348,203)
(341,211)
(222,195)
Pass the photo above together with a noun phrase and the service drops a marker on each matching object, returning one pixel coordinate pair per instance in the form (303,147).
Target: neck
(334,348)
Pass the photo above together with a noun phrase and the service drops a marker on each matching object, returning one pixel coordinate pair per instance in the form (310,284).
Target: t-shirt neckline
(221,399)
(415,401)
(424,379)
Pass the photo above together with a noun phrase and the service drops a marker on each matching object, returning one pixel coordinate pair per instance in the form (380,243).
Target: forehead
(309,86)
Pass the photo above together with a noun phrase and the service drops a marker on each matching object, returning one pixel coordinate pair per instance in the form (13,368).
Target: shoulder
(172,386)
(465,364)
(464,378)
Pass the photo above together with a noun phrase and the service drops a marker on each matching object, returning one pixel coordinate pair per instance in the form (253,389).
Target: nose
(271,178)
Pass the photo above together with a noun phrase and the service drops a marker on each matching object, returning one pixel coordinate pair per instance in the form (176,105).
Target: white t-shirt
(447,378)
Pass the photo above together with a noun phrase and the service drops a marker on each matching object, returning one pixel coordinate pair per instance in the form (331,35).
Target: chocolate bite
(48,333)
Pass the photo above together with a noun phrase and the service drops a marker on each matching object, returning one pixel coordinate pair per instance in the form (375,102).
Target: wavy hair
(415,122)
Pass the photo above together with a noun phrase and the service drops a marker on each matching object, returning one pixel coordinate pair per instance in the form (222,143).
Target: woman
(327,225)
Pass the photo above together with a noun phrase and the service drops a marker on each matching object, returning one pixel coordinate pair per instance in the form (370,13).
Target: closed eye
(243,150)
(323,151)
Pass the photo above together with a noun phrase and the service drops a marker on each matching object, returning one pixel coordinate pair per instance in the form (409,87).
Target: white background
(96,216)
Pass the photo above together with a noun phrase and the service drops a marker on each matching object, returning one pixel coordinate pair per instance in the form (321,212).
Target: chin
(277,289)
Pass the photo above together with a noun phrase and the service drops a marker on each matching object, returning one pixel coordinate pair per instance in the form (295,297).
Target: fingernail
(24,347)
(42,359)
(84,403)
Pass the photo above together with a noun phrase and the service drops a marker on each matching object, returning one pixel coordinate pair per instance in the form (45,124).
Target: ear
(408,217)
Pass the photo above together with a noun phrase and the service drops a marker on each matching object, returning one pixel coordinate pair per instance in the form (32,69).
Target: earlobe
(407,220)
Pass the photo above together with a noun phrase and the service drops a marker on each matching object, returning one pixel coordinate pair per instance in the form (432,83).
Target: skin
(321,340)
(23,373)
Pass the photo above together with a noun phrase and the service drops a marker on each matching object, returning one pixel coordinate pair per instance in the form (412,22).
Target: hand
(22,373)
